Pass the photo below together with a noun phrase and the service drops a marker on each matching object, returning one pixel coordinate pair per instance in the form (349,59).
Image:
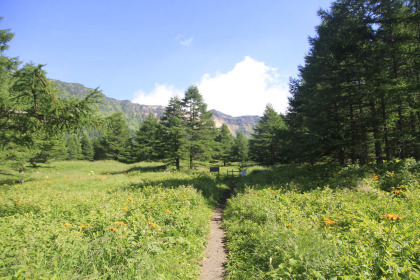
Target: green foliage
(87,147)
(265,143)
(199,125)
(240,148)
(32,116)
(174,136)
(74,147)
(114,141)
(105,220)
(282,225)
(147,140)
(356,98)
(224,143)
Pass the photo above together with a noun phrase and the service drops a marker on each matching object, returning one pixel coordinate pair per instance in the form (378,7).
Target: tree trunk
(376,134)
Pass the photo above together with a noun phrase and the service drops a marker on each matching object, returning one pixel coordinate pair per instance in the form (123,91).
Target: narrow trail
(213,266)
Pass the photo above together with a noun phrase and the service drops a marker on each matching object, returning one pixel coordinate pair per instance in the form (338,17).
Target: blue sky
(239,53)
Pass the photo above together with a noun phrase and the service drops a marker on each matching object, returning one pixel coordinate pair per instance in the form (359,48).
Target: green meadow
(326,222)
(105,220)
(109,220)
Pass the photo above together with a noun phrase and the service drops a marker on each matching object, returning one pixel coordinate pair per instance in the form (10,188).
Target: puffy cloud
(159,96)
(245,90)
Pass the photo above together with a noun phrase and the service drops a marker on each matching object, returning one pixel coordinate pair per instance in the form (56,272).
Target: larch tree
(174,136)
(199,126)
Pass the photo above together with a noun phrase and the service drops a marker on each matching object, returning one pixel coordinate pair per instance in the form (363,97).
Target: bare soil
(213,265)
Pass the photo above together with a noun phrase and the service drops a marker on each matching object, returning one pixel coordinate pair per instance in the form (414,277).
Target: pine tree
(199,125)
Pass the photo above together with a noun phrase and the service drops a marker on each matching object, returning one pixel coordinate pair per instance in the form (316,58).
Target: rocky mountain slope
(136,113)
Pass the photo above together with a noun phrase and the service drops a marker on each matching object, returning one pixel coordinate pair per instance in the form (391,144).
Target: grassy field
(104,220)
(326,222)
(108,220)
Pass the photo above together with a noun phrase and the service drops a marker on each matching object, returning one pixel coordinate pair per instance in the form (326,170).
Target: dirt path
(213,266)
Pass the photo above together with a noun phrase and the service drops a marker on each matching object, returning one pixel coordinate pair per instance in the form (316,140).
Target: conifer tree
(199,125)
(116,136)
(240,148)
(174,136)
(265,141)
(147,140)
(74,148)
(87,147)
(224,141)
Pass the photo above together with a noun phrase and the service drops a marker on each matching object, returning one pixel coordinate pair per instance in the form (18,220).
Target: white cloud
(159,96)
(245,90)
(186,42)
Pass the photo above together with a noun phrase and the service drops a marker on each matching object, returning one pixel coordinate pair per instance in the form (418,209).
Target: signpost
(215,169)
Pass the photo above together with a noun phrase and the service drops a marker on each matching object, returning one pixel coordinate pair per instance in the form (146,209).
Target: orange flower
(168,211)
(125,208)
(328,222)
(152,224)
(289,225)
(375,177)
(130,199)
(397,191)
(392,217)
(120,224)
(67,224)
(112,228)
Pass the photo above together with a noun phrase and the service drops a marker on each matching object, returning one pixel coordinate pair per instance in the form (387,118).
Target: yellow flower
(185,195)
(120,224)
(162,195)
(83,226)
(397,191)
(112,228)
(289,225)
(392,217)
(152,224)
(125,208)
(130,199)
(375,177)
(168,211)
(67,224)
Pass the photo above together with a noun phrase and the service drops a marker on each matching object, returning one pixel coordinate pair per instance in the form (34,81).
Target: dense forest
(356,100)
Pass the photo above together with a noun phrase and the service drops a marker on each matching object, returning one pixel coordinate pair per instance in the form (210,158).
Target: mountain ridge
(135,113)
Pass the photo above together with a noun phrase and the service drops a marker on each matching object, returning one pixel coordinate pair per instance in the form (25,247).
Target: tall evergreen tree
(74,148)
(87,147)
(240,148)
(355,98)
(265,141)
(116,136)
(147,140)
(199,125)
(224,142)
(174,136)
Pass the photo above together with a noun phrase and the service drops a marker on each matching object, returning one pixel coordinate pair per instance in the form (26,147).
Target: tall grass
(326,222)
(105,220)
